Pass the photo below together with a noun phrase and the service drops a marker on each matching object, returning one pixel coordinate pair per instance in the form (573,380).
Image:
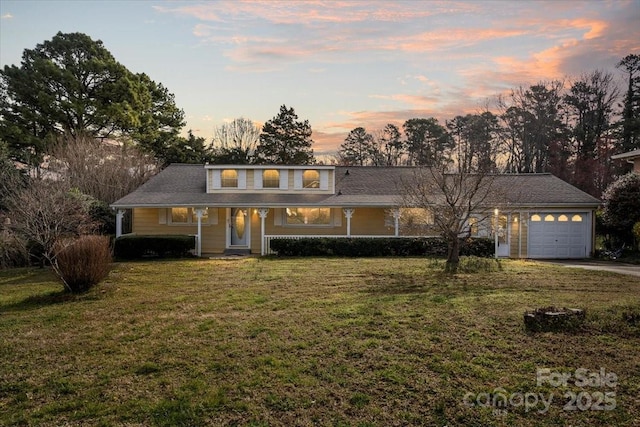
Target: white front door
(503,236)
(239,226)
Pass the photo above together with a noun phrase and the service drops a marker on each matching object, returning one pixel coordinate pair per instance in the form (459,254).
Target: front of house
(240,208)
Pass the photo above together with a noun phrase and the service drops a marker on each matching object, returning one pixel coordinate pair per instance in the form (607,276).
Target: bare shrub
(13,250)
(85,262)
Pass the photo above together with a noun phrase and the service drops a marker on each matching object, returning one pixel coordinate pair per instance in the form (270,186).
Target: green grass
(329,342)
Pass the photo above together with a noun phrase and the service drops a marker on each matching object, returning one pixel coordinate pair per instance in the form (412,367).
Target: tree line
(569,130)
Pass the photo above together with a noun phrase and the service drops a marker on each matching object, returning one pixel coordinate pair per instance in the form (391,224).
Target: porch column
(396,221)
(199,214)
(262,212)
(119,216)
(495,232)
(348,213)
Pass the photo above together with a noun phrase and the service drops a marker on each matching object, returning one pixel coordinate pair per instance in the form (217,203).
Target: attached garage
(559,235)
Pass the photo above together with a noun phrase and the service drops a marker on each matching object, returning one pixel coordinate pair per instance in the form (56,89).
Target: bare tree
(105,170)
(47,214)
(235,142)
(449,198)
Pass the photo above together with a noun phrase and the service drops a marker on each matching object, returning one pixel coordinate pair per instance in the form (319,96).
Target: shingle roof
(185,185)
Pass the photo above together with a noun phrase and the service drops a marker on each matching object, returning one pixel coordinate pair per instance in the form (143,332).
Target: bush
(13,250)
(85,262)
(133,246)
(622,206)
(379,247)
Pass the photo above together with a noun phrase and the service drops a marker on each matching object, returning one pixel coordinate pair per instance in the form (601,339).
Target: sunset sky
(340,64)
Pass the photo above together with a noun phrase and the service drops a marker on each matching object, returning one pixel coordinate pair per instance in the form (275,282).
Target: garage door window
(563,218)
(549,218)
(536,218)
(576,218)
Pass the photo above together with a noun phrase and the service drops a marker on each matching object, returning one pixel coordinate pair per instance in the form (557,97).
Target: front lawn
(328,342)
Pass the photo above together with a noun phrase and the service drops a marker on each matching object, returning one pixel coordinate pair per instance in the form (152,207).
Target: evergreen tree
(71,85)
(357,148)
(285,140)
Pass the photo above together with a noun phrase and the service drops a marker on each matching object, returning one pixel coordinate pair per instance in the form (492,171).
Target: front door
(238,227)
(503,236)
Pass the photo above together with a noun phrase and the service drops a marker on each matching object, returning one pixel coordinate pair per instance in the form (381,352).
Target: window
(549,218)
(205,216)
(311,179)
(536,218)
(186,216)
(576,218)
(179,215)
(271,178)
(416,221)
(417,216)
(563,218)
(229,178)
(308,216)
(473,226)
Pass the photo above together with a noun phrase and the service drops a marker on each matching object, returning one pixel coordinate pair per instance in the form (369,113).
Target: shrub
(379,247)
(132,246)
(13,250)
(622,205)
(85,262)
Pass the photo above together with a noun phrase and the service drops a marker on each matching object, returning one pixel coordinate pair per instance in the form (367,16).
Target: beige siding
(147,221)
(370,222)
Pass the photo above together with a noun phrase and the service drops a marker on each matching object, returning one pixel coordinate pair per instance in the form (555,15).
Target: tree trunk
(453,257)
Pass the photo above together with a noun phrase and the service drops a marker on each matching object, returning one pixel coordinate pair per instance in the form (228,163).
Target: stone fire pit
(553,319)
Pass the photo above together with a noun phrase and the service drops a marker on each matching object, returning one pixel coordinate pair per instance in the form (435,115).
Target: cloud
(417,100)
(7,16)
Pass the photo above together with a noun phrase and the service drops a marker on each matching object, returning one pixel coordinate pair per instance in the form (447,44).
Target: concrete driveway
(598,265)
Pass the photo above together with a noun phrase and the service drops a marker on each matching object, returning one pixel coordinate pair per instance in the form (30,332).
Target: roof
(630,155)
(185,185)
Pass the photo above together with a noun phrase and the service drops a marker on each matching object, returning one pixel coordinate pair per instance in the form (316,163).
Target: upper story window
(271,178)
(229,178)
(311,179)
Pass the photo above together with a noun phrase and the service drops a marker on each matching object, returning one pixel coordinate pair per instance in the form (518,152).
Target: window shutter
(162,216)
(216,180)
(284,179)
(242,179)
(324,180)
(277,216)
(257,179)
(337,217)
(297,179)
(213,215)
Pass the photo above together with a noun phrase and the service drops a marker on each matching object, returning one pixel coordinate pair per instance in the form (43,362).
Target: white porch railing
(269,237)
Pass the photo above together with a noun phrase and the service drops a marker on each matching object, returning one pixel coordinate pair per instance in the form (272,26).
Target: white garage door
(558,235)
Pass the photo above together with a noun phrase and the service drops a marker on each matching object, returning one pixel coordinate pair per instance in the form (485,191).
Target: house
(242,207)
(632,157)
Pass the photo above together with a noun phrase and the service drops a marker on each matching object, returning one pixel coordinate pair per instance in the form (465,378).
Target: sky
(340,64)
